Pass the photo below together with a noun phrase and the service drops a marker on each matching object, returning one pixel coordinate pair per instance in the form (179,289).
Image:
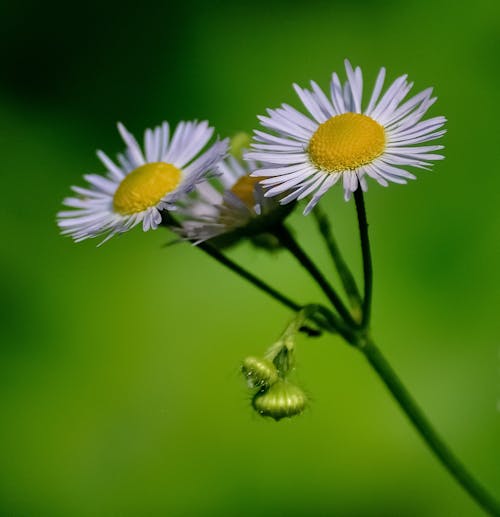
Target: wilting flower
(229,207)
(342,140)
(143,182)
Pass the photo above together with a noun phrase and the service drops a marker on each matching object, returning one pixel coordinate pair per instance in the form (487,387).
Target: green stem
(367,260)
(301,317)
(427,432)
(257,282)
(346,277)
(287,241)
(399,391)
(324,318)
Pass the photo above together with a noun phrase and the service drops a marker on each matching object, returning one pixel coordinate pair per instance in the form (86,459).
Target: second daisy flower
(341,140)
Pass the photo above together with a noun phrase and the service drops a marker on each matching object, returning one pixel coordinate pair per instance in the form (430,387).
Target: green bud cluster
(276,396)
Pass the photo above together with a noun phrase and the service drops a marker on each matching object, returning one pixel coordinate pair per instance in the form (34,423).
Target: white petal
(103,184)
(336,94)
(310,103)
(284,159)
(389,95)
(329,182)
(315,185)
(133,149)
(113,169)
(260,136)
(355,79)
(379,83)
(297,117)
(322,100)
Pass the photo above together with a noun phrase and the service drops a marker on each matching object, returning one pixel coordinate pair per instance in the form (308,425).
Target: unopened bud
(239,142)
(282,399)
(259,372)
(266,241)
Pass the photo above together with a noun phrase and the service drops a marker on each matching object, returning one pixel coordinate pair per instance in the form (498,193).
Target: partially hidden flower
(143,182)
(230,207)
(344,140)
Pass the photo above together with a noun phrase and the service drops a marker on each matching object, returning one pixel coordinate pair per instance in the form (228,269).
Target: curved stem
(427,432)
(168,220)
(367,260)
(324,318)
(257,282)
(347,278)
(307,312)
(327,322)
(287,240)
(399,391)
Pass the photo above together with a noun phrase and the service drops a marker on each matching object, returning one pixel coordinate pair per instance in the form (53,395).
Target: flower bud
(239,142)
(259,372)
(282,399)
(266,241)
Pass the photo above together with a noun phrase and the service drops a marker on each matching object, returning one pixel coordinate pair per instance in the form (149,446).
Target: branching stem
(288,241)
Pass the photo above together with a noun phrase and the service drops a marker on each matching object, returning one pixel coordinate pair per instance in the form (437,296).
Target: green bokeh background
(119,385)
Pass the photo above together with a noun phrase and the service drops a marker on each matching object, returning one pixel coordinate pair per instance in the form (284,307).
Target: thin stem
(346,277)
(299,320)
(399,391)
(257,282)
(287,240)
(168,220)
(427,432)
(367,260)
(324,318)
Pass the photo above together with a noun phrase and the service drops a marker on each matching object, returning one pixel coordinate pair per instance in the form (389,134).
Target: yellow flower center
(145,186)
(244,189)
(346,142)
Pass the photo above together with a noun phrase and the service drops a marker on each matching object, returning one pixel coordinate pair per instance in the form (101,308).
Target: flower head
(144,182)
(232,206)
(343,140)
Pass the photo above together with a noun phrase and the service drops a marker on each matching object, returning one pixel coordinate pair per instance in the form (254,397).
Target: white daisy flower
(143,182)
(342,140)
(233,205)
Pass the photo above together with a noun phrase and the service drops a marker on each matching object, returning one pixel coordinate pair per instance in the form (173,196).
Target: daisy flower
(143,181)
(341,139)
(233,205)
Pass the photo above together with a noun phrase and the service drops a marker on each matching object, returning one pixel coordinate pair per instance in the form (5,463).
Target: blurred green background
(119,385)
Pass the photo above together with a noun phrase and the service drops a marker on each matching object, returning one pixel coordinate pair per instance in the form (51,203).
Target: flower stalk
(288,241)
(389,377)
(358,335)
(367,259)
(266,400)
(345,274)
(323,317)
(437,445)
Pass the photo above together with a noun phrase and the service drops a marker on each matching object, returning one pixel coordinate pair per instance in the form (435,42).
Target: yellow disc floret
(346,142)
(244,189)
(145,186)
